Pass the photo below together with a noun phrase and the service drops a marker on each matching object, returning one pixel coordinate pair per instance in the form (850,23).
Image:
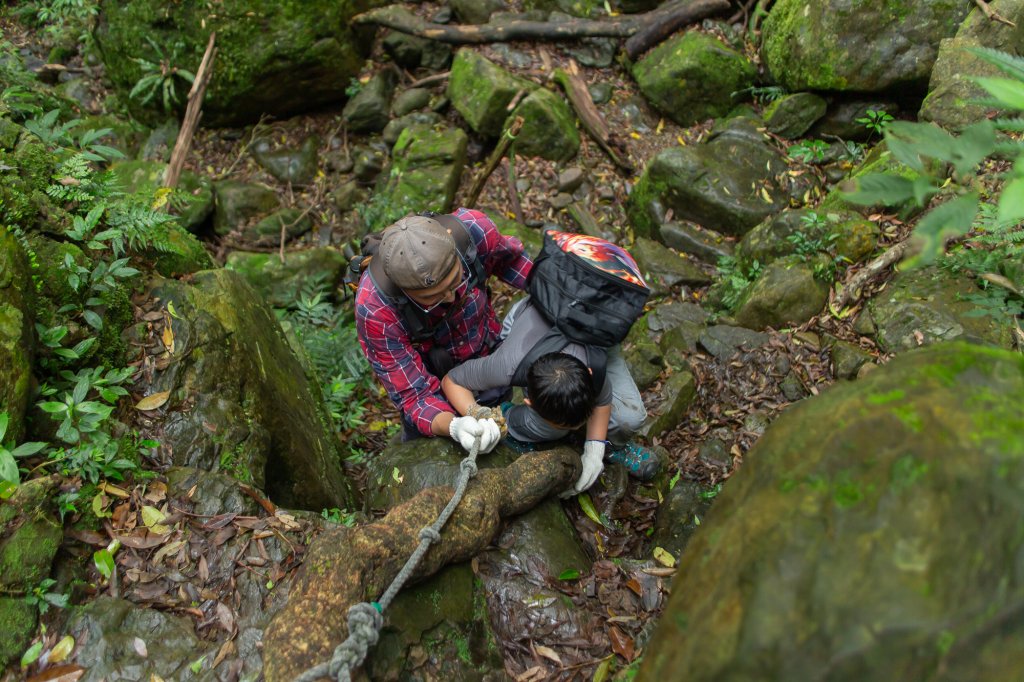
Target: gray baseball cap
(417,252)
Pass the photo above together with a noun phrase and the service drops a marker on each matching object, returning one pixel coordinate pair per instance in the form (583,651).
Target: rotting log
(589,116)
(346,566)
(676,13)
(670,20)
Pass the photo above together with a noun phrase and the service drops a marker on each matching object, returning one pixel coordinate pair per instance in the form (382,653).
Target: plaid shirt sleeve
(387,346)
(502,256)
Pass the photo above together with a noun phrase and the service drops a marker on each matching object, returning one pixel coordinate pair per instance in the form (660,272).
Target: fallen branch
(670,20)
(492,162)
(193,111)
(344,567)
(679,13)
(513,191)
(991,14)
(588,114)
(851,289)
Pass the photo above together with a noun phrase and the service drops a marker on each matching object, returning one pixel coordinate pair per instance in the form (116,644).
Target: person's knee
(630,416)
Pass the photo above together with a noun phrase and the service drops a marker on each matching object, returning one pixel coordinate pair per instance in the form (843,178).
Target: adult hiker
(422,305)
(560,397)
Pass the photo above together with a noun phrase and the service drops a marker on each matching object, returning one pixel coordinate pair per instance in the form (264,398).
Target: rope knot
(468,467)
(430,534)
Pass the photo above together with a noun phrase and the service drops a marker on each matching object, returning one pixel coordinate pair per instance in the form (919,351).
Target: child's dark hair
(561,389)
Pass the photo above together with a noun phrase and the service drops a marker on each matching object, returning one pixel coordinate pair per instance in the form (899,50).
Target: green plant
(339,516)
(43,598)
(875,120)
(77,413)
(937,157)
(66,503)
(346,410)
(808,151)
(711,493)
(734,279)
(813,244)
(159,77)
(851,152)
(353,88)
(762,94)
(9,454)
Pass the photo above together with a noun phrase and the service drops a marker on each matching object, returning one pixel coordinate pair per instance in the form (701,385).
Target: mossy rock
(549,127)
(16,331)
(793,115)
(17,625)
(878,160)
(868,46)
(179,254)
(281,283)
(426,167)
(955,100)
(859,536)
(272,58)
(787,292)
(845,233)
(929,305)
(689,78)
(481,91)
(726,184)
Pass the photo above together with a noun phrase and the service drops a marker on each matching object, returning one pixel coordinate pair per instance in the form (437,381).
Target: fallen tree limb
(193,110)
(679,13)
(344,567)
(588,114)
(851,289)
(670,21)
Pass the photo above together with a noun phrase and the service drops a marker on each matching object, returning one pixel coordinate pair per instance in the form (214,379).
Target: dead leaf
(548,653)
(167,549)
(168,339)
(634,585)
(622,644)
(143,540)
(228,648)
(219,521)
(534,674)
(140,647)
(153,401)
(113,490)
(60,673)
(156,492)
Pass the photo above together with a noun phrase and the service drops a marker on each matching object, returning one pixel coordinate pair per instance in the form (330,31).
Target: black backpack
(416,321)
(591,291)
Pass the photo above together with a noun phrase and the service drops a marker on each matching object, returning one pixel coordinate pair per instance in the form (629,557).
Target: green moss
(645,192)
(17,623)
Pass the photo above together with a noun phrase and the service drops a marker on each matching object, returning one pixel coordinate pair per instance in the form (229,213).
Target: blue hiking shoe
(641,463)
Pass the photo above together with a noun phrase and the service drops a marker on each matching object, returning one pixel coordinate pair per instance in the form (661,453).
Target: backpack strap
(553,342)
(416,322)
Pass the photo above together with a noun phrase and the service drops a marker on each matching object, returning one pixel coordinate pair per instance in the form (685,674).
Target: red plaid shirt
(469,332)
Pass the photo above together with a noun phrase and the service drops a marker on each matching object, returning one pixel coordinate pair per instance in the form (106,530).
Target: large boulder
(862,46)
(549,127)
(16,335)
(691,78)
(239,399)
(481,91)
(872,533)
(953,99)
(272,58)
(728,184)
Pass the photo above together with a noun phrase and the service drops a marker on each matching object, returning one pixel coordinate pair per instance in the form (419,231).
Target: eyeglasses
(456,292)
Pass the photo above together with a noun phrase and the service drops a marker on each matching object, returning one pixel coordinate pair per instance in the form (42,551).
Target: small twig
(513,192)
(743,13)
(991,14)
(515,100)
(430,80)
(492,162)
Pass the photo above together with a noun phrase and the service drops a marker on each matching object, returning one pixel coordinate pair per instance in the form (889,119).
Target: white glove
(466,430)
(491,435)
(593,465)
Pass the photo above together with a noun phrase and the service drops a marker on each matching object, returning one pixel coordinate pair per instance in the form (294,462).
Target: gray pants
(628,411)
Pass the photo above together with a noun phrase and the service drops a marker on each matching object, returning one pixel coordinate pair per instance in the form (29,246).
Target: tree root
(347,566)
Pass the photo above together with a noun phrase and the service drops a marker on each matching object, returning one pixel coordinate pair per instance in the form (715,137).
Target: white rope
(365,619)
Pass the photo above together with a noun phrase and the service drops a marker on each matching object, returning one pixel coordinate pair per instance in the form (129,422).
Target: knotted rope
(365,619)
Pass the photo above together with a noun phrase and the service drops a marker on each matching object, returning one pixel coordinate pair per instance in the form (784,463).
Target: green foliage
(353,88)
(808,151)
(815,245)
(43,598)
(734,279)
(762,94)
(9,454)
(875,120)
(339,516)
(160,78)
(939,157)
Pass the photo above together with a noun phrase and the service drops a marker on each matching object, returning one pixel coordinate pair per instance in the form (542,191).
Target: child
(560,398)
